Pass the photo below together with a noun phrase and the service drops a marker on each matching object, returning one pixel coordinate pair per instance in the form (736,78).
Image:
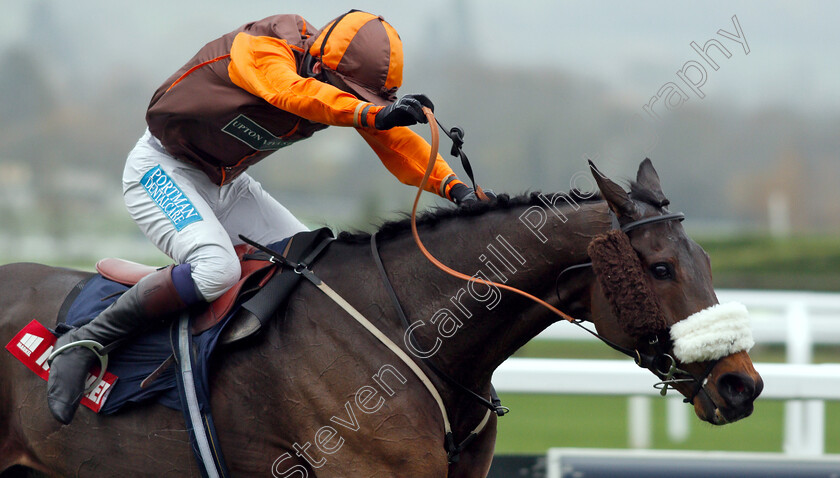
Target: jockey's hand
(464,195)
(406,111)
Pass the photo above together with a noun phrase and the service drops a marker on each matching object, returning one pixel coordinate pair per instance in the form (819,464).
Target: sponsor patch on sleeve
(169,197)
(34,344)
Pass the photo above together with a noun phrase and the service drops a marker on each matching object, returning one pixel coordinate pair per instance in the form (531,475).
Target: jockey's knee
(215,273)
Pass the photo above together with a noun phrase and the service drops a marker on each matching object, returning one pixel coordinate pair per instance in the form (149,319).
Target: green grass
(539,422)
(760,262)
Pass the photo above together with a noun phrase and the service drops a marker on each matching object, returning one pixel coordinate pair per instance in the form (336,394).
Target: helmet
(362,54)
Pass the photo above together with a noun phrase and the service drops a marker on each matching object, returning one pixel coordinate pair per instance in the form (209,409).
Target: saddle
(269,274)
(258,294)
(256,271)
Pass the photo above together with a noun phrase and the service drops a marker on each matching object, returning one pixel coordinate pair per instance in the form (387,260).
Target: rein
(494,404)
(660,362)
(430,116)
(303,268)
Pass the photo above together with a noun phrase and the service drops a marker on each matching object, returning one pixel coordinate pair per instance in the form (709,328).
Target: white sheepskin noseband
(712,333)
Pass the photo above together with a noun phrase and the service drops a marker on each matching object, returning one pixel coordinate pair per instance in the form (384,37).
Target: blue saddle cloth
(134,361)
(140,357)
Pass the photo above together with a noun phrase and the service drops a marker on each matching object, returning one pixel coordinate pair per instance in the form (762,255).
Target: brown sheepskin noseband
(620,274)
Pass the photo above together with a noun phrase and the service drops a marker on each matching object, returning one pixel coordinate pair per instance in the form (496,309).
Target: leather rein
(493,405)
(660,362)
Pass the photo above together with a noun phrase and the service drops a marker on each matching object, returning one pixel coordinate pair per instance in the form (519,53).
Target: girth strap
(200,424)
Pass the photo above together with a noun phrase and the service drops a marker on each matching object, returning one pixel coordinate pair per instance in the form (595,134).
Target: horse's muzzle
(738,391)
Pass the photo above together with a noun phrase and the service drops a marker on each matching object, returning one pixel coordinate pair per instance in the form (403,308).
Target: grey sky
(633,48)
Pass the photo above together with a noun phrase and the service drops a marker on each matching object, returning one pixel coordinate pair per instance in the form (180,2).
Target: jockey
(243,96)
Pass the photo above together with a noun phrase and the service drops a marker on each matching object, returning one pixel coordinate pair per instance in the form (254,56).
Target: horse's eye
(662,271)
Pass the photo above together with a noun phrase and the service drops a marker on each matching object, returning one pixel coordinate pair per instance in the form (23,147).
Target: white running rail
(797,320)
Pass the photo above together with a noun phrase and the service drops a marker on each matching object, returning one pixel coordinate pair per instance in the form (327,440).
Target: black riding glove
(406,111)
(463,195)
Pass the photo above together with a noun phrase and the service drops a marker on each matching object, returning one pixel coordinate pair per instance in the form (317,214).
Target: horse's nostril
(737,389)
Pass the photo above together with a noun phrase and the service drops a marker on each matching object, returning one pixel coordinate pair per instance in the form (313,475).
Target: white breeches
(195,221)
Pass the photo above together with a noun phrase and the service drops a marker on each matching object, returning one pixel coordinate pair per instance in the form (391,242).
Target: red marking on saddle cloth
(34,344)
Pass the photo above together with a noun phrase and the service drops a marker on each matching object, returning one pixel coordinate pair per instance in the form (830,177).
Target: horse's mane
(439,214)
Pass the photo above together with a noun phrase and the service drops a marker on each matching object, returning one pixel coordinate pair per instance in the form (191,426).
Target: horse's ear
(647,182)
(616,197)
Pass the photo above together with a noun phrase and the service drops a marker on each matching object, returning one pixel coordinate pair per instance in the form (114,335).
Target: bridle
(660,362)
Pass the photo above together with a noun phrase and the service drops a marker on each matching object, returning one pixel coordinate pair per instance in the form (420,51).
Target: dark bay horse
(316,395)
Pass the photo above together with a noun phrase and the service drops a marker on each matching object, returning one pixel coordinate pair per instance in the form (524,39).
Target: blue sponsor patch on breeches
(169,197)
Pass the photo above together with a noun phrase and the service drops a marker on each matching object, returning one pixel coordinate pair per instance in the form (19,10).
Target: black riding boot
(152,299)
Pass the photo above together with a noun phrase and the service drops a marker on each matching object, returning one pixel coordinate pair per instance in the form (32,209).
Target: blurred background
(750,155)
(538,87)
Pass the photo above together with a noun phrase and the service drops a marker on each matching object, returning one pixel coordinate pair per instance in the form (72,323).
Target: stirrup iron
(94,347)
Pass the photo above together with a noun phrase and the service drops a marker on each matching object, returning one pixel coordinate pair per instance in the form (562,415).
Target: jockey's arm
(266,67)
(406,155)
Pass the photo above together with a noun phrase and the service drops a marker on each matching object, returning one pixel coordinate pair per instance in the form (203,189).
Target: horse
(316,395)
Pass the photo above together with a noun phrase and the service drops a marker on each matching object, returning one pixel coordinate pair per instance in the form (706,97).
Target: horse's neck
(475,327)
